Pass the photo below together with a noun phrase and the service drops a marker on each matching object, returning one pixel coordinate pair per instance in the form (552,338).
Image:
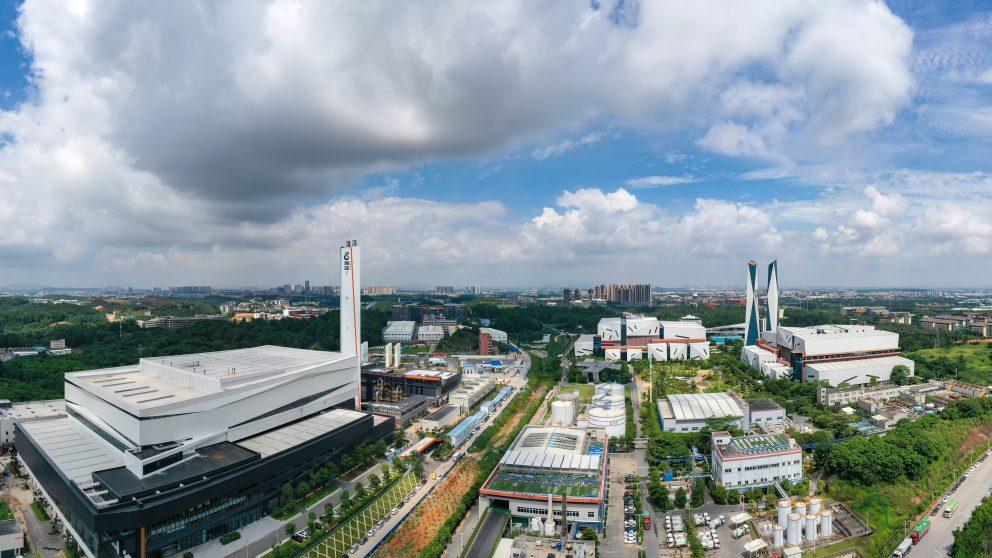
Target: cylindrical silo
(827,523)
(562,413)
(784,508)
(612,419)
(814,506)
(389,355)
(778,537)
(792,530)
(810,527)
(397,354)
(801,508)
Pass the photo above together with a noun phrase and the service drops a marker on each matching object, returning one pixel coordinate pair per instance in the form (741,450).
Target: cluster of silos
(607,409)
(800,521)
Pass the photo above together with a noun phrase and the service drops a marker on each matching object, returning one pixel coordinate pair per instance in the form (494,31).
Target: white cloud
(565,146)
(178,140)
(658,181)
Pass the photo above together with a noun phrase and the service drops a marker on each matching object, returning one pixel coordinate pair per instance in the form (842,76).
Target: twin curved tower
(752,321)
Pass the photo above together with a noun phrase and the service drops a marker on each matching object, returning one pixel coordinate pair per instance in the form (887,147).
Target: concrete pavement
(969,495)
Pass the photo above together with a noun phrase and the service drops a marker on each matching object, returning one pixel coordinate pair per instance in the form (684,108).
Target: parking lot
(344,536)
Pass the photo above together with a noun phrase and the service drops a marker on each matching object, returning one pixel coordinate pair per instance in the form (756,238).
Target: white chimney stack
(351,310)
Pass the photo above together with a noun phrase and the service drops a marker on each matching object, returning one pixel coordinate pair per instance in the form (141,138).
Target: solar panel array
(754,445)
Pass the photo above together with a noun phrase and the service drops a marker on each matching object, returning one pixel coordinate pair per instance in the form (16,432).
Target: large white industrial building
(688,412)
(146,448)
(403,331)
(834,353)
(635,337)
(430,333)
(754,461)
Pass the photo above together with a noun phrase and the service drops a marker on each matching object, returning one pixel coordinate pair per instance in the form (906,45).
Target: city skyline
(655,146)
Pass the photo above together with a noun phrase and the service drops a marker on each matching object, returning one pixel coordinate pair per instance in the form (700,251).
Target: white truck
(903,548)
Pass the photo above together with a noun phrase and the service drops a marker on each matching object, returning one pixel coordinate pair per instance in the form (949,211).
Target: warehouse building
(441,418)
(541,464)
(688,412)
(471,392)
(399,331)
(748,462)
(464,430)
(430,333)
(403,411)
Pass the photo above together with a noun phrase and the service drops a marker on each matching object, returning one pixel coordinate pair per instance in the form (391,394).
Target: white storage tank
(397,355)
(572,396)
(609,388)
(778,536)
(801,508)
(562,413)
(814,506)
(827,523)
(612,419)
(784,508)
(810,527)
(793,534)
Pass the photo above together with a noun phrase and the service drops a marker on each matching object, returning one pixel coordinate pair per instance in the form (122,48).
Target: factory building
(402,331)
(471,392)
(747,462)
(464,430)
(499,336)
(541,464)
(441,418)
(155,458)
(430,333)
(688,412)
(403,411)
(381,384)
(634,337)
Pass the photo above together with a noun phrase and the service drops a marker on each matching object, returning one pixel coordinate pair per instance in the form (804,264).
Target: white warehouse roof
(836,339)
(859,363)
(702,406)
(400,328)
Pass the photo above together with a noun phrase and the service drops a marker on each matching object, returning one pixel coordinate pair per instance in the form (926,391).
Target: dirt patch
(421,528)
(977,437)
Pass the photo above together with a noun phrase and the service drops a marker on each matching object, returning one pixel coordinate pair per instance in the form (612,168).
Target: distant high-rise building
(576,294)
(751,323)
(190,289)
(306,286)
(566,294)
(445,290)
(379,290)
(772,315)
(638,294)
(475,290)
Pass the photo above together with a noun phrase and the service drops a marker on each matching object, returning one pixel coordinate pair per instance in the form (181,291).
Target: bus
(952,507)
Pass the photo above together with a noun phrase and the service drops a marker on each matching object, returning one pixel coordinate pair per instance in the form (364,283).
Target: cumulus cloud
(196,137)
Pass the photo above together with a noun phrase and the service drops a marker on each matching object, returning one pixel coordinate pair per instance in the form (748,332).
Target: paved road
(940,538)
(489,533)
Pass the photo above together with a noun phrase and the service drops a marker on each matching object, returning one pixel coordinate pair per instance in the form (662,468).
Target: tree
(287,494)
(360,491)
(311,522)
(302,489)
(374,482)
(345,500)
(680,498)
(290,528)
(900,374)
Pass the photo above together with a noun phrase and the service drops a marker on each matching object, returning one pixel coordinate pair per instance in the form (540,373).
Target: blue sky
(518,145)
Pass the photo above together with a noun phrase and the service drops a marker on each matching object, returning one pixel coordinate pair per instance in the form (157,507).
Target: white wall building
(13,413)
(753,461)
(688,412)
(430,333)
(857,371)
(403,331)
(497,335)
(471,392)
(584,345)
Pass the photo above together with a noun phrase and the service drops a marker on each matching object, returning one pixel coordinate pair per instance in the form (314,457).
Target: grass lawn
(39,512)
(977,359)
(585,391)
(5,511)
